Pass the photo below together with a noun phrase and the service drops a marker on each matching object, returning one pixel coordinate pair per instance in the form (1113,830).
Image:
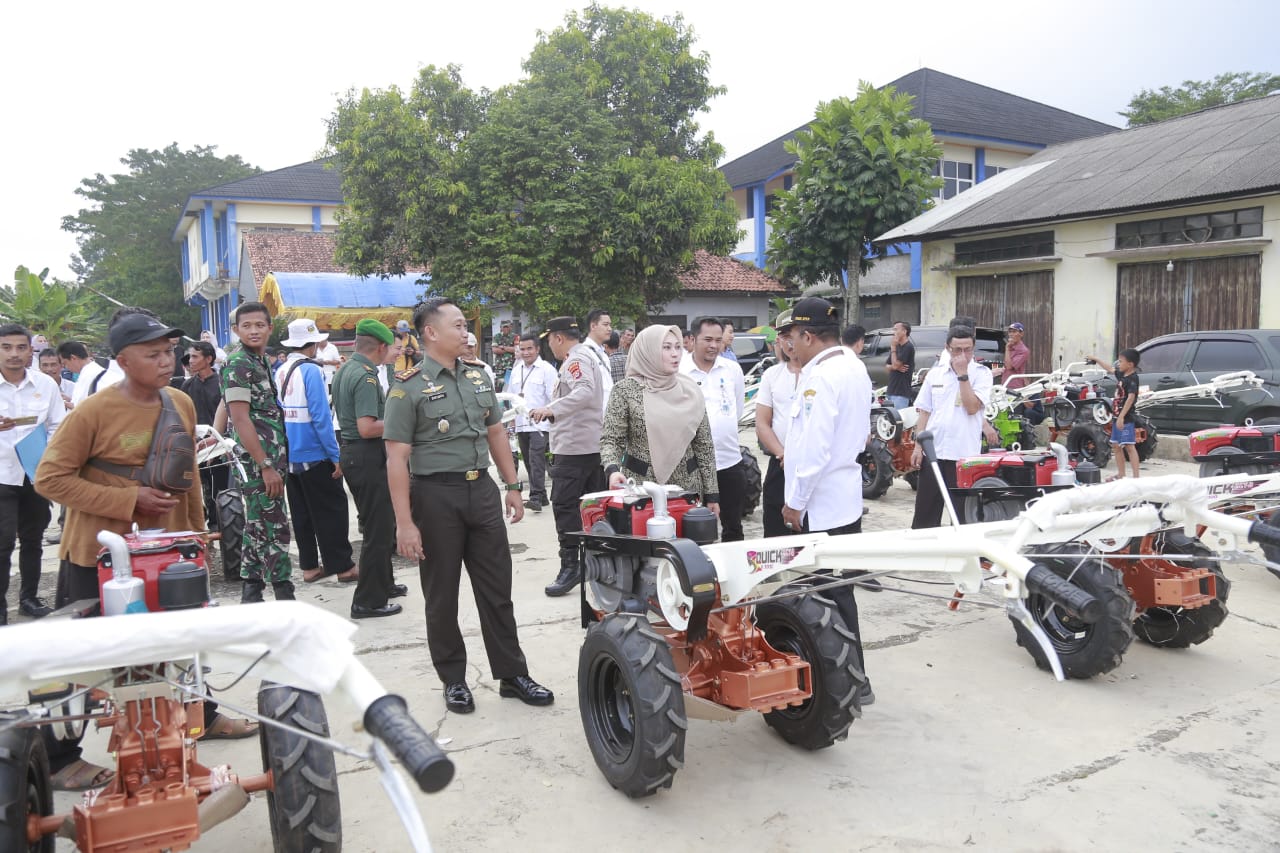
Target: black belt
(348,442)
(641,467)
(450,476)
(583,459)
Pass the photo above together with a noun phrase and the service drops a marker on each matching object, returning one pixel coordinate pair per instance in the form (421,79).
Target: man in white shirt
(50,365)
(773,415)
(950,402)
(723,388)
(599,328)
(29,401)
(533,380)
(830,421)
(329,359)
(84,370)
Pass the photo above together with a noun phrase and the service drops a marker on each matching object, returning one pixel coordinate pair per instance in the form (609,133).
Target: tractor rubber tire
(230,507)
(1272,552)
(877,470)
(754,481)
(1213,469)
(1084,650)
(632,704)
(1087,441)
(1177,627)
(25,789)
(1147,447)
(303,808)
(976,511)
(810,626)
(913,480)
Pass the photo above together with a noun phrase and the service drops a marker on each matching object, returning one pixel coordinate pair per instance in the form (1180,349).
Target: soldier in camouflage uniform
(504,353)
(257,424)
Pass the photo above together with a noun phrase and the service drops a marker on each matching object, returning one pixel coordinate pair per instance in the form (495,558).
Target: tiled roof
(289,251)
(717,274)
(950,105)
(306,182)
(1225,151)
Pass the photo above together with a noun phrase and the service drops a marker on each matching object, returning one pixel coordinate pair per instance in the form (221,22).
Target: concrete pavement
(967,746)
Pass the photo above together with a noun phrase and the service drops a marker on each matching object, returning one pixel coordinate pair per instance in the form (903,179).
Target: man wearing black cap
(114,427)
(577,414)
(830,421)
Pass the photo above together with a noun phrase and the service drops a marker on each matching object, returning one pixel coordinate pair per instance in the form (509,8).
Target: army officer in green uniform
(442,423)
(358,403)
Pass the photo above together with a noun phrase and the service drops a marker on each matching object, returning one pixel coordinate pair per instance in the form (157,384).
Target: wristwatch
(517,486)
(964,377)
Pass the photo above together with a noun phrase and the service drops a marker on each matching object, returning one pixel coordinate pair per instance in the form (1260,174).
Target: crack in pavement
(390,647)
(1257,622)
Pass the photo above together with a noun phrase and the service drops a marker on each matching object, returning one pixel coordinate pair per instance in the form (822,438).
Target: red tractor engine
(630,514)
(170,565)
(1014,468)
(1253,449)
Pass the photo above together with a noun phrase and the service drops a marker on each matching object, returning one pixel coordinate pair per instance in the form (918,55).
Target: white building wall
(1084,288)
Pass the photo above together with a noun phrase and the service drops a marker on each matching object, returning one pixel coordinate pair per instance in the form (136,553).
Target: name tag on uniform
(431,398)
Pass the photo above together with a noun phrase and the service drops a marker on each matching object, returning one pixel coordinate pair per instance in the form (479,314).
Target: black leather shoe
(397,590)
(457,698)
(359,611)
(34,607)
(568,578)
(533,506)
(251,592)
(525,689)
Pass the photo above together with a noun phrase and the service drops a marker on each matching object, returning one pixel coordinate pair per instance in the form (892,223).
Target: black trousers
(733,502)
(24,515)
(364,466)
(772,500)
(75,583)
(318,507)
(930,504)
(842,597)
(461,522)
(571,478)
(213,480)
(533,449)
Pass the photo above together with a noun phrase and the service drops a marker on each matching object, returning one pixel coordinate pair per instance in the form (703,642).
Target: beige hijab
(673,403)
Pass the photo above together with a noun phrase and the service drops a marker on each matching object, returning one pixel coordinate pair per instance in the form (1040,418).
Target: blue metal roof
(337,290)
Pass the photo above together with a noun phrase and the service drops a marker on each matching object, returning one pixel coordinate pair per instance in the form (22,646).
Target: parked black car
(750,348)
(929,342)
(1189,358)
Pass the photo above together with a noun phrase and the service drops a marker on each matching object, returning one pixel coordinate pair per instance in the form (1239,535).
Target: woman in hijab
(656,425)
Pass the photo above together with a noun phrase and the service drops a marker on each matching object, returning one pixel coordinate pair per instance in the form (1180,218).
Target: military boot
(251,592)
(283,591)
(570,574)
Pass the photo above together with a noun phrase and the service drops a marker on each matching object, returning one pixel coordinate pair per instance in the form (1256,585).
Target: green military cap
(375,329)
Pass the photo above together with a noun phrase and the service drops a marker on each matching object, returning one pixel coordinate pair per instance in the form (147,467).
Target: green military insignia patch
(396,393)
(371,380)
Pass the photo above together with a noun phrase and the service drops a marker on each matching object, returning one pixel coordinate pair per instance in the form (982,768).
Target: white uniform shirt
(606,373)
(724,389)
(777,390)
(326,351)
(534,382)
(830,422)
(35,395)
(956,433)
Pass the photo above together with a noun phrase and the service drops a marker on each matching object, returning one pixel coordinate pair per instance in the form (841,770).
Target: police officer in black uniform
(442,423)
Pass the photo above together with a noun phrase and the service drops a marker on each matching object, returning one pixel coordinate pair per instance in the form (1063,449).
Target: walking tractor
(140,672)
(678,626)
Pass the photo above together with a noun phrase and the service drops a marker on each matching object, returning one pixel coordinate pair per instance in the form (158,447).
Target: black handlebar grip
(1063,593)
(388,719)
(1266,535)
(925,440)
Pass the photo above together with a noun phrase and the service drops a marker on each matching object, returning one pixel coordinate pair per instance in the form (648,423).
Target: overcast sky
(83,83)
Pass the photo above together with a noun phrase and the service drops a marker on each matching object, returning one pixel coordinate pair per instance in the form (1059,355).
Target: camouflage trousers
(264,555)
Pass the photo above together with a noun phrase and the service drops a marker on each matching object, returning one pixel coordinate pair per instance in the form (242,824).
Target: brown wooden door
(1199,294)
(1025,298)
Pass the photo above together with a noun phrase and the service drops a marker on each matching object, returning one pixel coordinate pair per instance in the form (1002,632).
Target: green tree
(863,166)
(55,309)
(1152,105)
(125,234)
(585,184)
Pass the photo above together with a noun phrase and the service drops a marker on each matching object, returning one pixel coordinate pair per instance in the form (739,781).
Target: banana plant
(55,309)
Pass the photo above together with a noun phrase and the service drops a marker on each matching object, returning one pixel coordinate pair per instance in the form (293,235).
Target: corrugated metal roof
(1216,153)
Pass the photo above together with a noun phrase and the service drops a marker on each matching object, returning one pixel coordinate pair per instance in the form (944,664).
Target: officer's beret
(561,324)
(375,329)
